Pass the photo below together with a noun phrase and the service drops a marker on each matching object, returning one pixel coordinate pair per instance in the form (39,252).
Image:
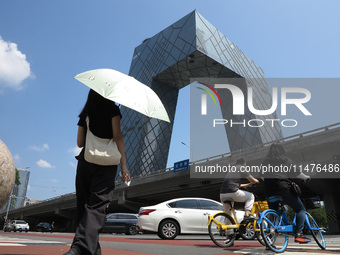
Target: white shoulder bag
(100,151)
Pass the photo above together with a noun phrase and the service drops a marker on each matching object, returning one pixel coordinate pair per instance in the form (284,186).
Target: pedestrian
(231,189)
(278,183)
(95,183)
(52,227)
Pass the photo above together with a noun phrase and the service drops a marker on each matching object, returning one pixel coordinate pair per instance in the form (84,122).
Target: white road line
(8,241)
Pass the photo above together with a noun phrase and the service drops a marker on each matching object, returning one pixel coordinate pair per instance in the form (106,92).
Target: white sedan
(178,216)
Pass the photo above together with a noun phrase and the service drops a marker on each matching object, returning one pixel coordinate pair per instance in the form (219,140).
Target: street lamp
(191,151)
(57,192)
(9,204)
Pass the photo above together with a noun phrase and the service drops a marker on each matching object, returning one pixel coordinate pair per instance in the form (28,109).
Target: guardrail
(37,204)
(284,139)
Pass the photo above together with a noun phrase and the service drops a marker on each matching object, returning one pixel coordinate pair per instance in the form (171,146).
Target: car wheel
(168,229)
(132,230)
(249,233)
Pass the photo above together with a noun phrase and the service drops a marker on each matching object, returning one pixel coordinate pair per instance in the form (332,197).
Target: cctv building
(190,48)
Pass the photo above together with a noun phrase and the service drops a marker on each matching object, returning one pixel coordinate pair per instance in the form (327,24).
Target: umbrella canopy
(125,90)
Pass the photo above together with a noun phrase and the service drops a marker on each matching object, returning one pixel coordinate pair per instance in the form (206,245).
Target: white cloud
(73,165)
(44,147)
(14,68)
(75,151)
(16,158)
(44,164)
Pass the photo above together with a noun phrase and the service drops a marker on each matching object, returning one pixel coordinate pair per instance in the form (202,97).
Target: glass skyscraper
(191,47)
(19,191)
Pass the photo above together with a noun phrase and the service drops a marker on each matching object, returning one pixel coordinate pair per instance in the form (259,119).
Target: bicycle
(223,227)
(275,227)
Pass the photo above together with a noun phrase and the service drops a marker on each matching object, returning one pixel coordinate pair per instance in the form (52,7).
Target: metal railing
(252,148)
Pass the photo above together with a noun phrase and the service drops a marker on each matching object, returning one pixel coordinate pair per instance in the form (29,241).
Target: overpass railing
(248,149)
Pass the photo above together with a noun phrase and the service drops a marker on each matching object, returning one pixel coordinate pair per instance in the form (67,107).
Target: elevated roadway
(314,147)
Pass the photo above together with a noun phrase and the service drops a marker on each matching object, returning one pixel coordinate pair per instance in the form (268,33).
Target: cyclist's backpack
(295,189)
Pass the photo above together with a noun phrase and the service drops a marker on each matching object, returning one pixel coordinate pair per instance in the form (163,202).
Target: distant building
(18,197)
(190,48)
(19,192)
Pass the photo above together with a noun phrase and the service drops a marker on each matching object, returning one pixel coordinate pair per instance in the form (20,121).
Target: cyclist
(231,189)
(279,184)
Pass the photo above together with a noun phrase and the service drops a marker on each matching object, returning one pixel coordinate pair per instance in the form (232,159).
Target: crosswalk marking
(292,250)
(12,241)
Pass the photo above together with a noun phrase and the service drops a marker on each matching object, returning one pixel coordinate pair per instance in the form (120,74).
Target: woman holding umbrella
(95,183)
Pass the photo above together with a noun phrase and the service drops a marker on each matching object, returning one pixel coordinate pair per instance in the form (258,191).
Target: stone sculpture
(7,173)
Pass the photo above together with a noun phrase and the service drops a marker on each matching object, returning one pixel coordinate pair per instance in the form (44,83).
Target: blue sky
(44,44)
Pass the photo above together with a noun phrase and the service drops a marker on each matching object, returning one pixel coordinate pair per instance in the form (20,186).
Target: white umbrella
(125,90)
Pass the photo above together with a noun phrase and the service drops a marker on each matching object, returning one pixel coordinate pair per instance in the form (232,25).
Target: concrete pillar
(121,197)
(332,205)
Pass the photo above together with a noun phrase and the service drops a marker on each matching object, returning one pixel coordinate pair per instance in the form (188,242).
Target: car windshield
(21,222)
(121,216)
(127,216)
(112,216)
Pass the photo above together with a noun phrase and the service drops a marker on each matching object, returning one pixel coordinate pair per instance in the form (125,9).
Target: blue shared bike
(275,227)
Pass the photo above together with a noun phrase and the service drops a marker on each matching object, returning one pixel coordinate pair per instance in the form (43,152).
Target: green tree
(319,215)
(17,177)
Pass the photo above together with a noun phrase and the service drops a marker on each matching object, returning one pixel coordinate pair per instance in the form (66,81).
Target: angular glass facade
(19,192)
(191,47)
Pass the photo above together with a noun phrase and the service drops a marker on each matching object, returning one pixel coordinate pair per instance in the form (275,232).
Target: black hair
(96,106)
(240,161)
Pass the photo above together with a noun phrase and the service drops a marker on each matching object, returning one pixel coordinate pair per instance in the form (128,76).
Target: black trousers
(94,187)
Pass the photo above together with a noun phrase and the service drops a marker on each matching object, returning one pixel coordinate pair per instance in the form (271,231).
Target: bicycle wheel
(316,232)
(275,240)
(222,237)
(258,235)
